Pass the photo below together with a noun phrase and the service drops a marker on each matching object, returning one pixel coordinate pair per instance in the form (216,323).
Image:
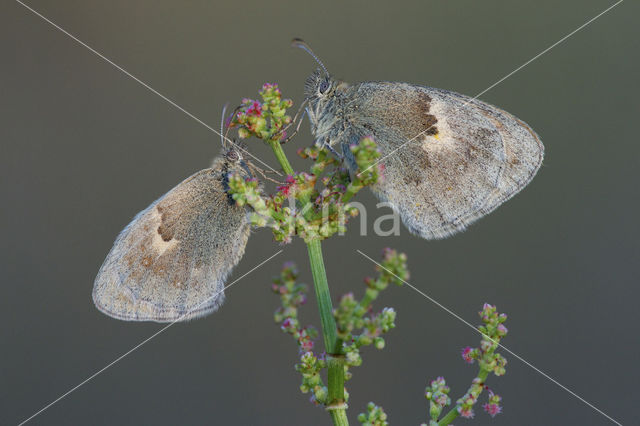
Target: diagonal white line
(467,323)
(547,49)
(163,329)
(145,85)
(502,79)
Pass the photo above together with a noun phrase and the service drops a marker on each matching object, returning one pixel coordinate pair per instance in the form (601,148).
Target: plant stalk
(339,417)
(335,360)
(321,286)
(280,155)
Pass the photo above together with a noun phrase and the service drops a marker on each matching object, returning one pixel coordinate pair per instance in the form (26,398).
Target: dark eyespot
(324,86)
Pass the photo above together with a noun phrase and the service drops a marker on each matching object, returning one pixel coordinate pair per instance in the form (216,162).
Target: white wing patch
(158,244)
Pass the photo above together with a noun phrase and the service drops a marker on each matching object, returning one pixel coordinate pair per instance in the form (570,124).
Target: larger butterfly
(448,159)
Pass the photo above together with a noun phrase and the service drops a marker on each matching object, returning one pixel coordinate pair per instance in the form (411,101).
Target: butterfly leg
(297,120)
(334,152)
(263,173)
(325,144)
(297,129)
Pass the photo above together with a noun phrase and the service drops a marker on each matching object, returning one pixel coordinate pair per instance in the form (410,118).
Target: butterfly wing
(449,159)
(171,262)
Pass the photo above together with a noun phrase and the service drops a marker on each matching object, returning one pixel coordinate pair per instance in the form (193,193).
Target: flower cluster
(310,367)
(437,393)
(369,169)
(292,297)
(357,325)
(375,416)
(265,119)
(466,403)
(493,330)
(493,406)
(393,269)
(311,205)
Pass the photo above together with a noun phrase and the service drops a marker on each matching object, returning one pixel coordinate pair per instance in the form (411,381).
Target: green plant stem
(335,379)
(352,190)
(280,155)
(369,296)
(453,413)
(451,416)
(329,330)
(333,345)
(339,417)
(335,360)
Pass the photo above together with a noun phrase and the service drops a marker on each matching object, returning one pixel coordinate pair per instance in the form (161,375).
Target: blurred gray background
(84,148)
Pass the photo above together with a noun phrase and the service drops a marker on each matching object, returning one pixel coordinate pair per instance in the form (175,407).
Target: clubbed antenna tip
(299,43)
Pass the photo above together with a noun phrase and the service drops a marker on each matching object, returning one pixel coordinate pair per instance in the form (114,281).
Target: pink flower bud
(466,412)
(468,355)
(492,409)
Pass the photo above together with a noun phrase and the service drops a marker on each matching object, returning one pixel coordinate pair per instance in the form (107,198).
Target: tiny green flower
(375,416)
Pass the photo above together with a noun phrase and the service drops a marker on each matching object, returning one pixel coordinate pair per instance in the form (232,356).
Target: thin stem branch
(449,417)
(453,413)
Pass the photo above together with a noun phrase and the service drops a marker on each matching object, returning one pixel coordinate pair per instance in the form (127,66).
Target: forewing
(171,262)
(449,159)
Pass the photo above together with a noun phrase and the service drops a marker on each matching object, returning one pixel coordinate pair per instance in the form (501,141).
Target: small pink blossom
(492,409)
(285,189)
(287,324)
(306,345)
(502,330)
(255,109)
(466,412)
(468,355)
(442,400)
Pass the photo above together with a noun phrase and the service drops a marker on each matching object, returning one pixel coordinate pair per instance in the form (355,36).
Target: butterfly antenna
(223,134)
(297,42)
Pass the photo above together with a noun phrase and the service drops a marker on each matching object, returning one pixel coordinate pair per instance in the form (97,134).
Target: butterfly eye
(234,156)
(324,86)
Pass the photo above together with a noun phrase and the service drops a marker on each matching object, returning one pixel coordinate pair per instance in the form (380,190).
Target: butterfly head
(233,154)
(319,89)
(235,158)
(319,85)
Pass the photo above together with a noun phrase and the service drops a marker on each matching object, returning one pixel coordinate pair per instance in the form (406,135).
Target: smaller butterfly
(171,262)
